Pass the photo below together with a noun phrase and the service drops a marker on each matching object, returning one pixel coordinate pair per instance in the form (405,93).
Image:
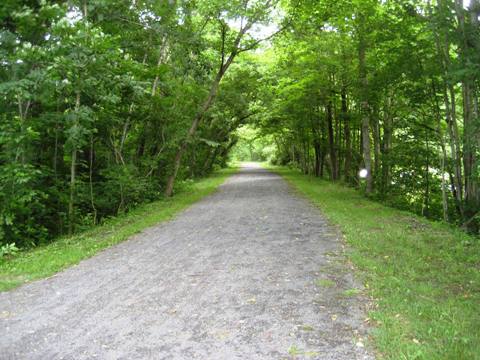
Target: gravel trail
(250,272)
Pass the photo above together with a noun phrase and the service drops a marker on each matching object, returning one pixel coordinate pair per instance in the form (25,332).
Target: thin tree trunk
(191,132)
(365,106)
(331,142)
(443,157)
(386,146)
(366,153)
(92,200)
(455,145)
(347,135)
(73,167)
(55,152)
(316,145)
(22,113)
(426,208)
(71,207)
(444,190)
(376,143)
(318,156)
(304,155)
(209,160)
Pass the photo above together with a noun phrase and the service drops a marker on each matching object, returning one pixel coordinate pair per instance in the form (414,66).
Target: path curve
(235,276)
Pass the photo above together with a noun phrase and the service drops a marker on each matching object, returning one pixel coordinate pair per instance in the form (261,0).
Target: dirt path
(248,273)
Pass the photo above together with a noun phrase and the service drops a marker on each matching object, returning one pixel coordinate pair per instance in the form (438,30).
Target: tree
(248,14)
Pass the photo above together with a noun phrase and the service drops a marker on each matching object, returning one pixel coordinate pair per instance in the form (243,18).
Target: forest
(108,104)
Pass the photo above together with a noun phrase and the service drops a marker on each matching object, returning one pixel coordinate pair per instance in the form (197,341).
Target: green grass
(47,260)
(295,351)
(307,328)
(424,276)
(351,292)
(324,283)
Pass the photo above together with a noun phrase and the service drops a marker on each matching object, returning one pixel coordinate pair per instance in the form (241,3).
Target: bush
(8,250)
(23,206)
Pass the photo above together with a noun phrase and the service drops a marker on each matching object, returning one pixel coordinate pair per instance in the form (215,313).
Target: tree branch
(257,42)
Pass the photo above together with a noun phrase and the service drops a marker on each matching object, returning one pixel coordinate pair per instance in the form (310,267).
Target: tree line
(386,86)
(105,104)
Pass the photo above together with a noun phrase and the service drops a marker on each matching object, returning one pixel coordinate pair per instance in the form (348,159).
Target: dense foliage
(101,100)
(387,86)
(105,104)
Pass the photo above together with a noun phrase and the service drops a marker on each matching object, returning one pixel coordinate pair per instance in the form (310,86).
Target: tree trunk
(376,143)
(224,151)
(444,188)
(191,132)
(207,165)
(386,146)
(443,157)
(73,167)
(452,126)
(426,207)
(331,142)
(206,105)
(92,200)
(318,156)
(365,107)
(347,135)
(71,207)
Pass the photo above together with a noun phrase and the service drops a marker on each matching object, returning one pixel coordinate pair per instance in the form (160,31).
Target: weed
(8,250)
(324,283)
(351,292)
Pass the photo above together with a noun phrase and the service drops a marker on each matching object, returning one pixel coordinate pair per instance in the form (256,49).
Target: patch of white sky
(74,15)
(466,5)
(260,31)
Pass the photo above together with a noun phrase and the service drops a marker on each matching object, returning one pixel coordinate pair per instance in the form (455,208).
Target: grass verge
(44,261)
(423,275)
